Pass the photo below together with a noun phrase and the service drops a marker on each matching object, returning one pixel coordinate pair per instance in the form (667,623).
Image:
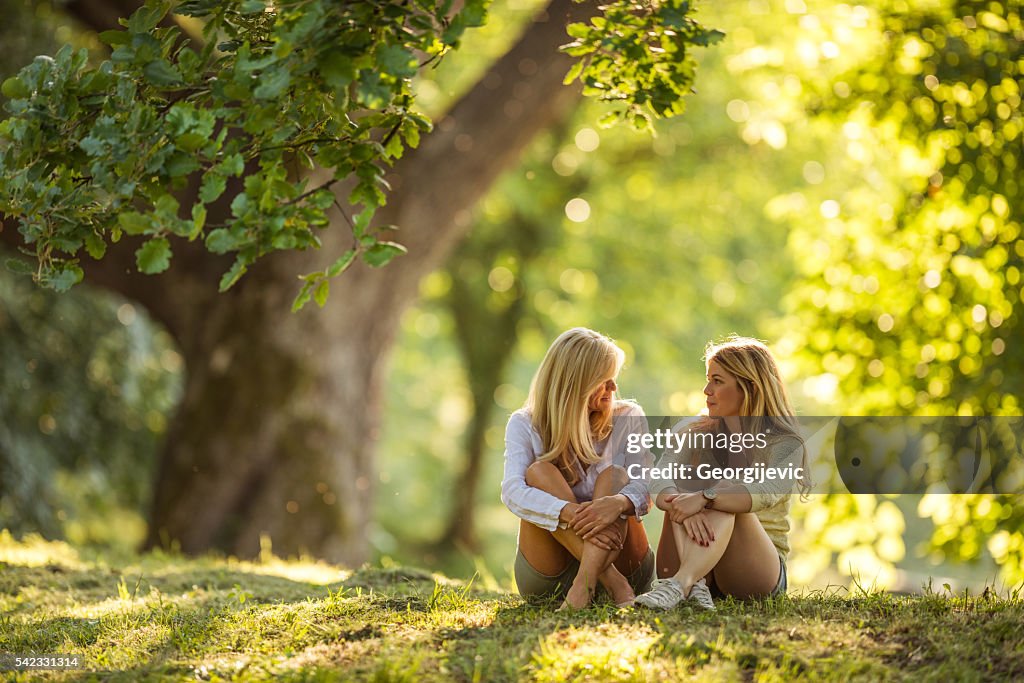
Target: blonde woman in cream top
(729,537)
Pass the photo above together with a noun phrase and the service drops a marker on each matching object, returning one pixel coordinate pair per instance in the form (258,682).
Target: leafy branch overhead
(273,90)
(635,55)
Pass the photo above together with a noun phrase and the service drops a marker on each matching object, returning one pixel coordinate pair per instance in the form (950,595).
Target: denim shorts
(533,584)
(780,587)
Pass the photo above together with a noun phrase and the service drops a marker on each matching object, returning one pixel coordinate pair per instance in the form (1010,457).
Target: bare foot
(578,597)
(623,597)
(618,588)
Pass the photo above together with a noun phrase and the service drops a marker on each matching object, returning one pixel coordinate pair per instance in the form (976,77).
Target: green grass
(170,618)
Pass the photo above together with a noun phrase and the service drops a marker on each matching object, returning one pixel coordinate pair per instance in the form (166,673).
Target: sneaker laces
(700,594)
(664,593)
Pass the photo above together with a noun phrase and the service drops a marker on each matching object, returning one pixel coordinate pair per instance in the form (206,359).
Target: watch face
(710,494)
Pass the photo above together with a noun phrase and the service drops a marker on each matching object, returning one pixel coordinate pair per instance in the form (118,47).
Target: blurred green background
(844,185)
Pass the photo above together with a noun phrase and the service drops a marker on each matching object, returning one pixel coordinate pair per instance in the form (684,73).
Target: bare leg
(742,558)
(610,568)
(546,551)
(750,565)
(667,558)
(695,560)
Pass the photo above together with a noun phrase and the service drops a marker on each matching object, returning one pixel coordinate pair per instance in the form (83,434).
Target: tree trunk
(486,326)
(485,332)
(272,435)
(275,434)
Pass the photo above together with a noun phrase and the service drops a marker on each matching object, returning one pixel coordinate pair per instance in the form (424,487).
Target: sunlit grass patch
(122,644)
(35,551)
(351,648)
(616,652)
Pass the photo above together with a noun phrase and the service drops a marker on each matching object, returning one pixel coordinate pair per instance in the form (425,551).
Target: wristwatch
(709,496)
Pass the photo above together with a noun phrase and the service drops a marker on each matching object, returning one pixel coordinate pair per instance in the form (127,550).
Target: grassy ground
(163,617)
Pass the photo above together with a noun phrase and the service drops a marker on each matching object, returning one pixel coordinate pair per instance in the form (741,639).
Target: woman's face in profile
(601,400)
(724,396)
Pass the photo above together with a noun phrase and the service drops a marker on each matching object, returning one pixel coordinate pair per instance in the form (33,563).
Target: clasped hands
(687,509)
(594,521)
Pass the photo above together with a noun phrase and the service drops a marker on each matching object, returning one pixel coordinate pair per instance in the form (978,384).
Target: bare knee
(611,481)
(547,477)
(747,522)
(725,521)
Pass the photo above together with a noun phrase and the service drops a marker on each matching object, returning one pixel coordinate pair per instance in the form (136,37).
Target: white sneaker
(701,595)
(664,594)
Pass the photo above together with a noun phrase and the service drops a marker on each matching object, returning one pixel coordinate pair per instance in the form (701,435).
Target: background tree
(487,299)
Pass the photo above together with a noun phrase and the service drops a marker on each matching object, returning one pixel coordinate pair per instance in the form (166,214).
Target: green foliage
(924,291)
(967,526)
(88,385)
(636,54)
(93,152)
(945,91)
(269,92)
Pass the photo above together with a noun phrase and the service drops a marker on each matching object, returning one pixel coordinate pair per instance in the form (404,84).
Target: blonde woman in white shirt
(565,478)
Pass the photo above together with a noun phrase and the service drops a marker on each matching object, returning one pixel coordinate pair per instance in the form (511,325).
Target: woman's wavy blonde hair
(765,399)
(765,406)
(575,366)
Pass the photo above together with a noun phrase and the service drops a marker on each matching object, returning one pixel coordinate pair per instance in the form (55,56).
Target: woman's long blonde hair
(766,407)
(575,366)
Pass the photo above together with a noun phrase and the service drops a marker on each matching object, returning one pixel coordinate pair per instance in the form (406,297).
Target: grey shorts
(780,587)
(533,584)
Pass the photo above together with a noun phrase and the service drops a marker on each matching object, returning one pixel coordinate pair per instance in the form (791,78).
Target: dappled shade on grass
(168,617)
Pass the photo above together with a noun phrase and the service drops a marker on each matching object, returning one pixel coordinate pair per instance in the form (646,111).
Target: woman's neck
(733,424)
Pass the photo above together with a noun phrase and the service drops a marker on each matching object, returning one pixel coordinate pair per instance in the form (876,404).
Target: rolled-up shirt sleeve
(526,502)
(785,454)
(629,453)
(669,461)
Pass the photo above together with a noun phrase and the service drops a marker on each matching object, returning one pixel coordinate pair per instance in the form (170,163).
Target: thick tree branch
(485,132)
(436,186)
